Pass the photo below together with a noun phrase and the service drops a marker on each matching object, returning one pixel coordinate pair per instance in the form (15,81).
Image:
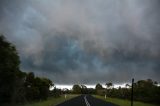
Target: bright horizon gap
(69,86)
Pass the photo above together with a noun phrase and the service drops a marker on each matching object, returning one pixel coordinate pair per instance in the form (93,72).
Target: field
(122,102)
(51,101)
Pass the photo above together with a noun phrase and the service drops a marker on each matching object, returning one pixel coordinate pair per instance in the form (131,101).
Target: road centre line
(86,101)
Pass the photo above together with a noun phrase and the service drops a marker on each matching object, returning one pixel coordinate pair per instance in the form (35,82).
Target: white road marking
(86,101)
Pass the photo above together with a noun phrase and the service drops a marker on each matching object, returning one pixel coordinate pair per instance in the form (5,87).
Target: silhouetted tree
(76,89)
(15,85)
(98,87)
(9,66)
(109,84)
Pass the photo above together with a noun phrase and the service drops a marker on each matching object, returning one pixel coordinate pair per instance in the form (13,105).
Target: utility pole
(132,92)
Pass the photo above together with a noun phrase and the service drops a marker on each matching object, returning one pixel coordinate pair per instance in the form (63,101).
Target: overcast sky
(85,41)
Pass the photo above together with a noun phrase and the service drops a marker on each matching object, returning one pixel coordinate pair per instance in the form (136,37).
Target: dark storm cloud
(85,41)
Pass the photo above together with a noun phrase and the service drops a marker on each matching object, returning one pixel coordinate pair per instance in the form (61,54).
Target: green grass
(122,102)
(51,101)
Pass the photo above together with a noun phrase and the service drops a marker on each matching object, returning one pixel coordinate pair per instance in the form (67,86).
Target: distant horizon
(69,86)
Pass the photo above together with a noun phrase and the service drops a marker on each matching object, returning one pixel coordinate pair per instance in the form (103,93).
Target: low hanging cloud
(85,41)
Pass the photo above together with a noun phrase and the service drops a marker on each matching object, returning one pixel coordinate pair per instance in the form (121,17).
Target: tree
(128,86)
(108,90)
(57,92)
(20,92)
(109,84)
(9,66)
(44,88)
(98,87)
(84,89)
(37,88)
(76,89)
(17,86)
(29,79)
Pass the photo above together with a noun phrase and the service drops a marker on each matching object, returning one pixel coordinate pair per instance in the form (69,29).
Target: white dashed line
(86,101)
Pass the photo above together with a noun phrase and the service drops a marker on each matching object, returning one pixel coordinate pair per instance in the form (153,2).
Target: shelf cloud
(85,41)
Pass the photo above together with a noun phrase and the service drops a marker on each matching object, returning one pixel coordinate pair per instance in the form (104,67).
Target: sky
(85,41)
(88,86)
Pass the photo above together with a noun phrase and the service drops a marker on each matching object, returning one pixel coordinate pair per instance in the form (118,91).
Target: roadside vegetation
(146,91)
(17,86)
(52,101)
(123,102)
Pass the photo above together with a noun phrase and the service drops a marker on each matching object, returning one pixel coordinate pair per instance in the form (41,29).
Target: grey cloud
(85,41)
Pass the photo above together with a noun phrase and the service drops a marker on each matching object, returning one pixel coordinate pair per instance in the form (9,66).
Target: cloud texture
(85,41)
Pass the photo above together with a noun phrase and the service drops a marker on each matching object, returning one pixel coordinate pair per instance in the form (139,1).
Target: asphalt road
(85,100)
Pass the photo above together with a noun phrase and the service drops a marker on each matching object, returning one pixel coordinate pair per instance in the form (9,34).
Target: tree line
(144,90)
(17,86)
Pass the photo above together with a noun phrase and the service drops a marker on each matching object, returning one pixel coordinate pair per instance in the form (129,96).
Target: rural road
(85,100)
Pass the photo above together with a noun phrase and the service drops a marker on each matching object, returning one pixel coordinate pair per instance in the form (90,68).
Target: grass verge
(51,101)
(122,102)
